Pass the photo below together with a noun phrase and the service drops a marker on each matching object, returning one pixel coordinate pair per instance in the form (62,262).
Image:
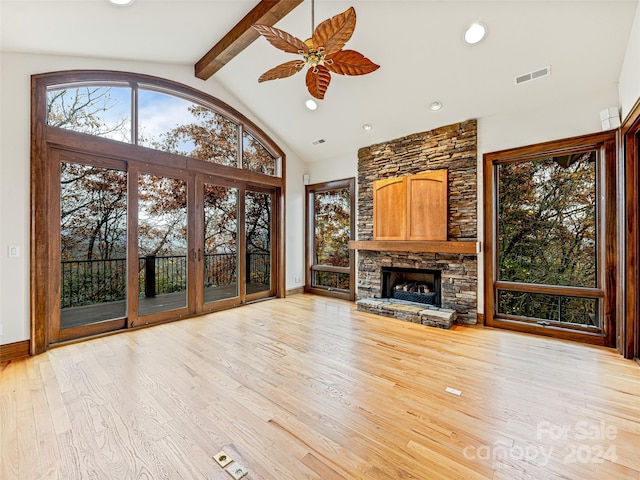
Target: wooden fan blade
(350,62)
(318,80)
(282,71)
(335,32)
(281,39)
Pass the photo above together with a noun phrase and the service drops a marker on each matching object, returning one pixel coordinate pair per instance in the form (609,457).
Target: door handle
(199,254)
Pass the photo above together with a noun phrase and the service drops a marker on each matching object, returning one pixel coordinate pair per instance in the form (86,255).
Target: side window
(165,122)
(103,111)
(330,226)
(256,157)
(549,237)
(175,125)
(547,232)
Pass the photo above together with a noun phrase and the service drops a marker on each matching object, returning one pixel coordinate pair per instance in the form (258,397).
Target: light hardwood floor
(309,388)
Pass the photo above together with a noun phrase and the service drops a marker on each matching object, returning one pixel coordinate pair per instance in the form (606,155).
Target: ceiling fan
(323,52)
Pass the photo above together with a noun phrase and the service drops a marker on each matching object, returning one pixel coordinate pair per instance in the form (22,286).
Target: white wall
(630,73)
(571,117)
(15,73)
(334,169)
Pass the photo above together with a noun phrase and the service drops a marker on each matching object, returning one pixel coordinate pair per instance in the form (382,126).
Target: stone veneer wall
(453,147)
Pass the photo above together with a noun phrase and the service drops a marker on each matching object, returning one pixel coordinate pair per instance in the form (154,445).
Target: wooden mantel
(415,246)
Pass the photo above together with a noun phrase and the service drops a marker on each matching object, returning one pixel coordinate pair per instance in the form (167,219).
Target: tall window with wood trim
(329,227)
(151,201)
(629,303)
(550,231)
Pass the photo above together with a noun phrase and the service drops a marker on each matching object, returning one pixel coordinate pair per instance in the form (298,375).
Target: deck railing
(86,282)
(89,282)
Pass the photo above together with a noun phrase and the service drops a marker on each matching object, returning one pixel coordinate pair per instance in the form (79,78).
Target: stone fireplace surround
(453,147)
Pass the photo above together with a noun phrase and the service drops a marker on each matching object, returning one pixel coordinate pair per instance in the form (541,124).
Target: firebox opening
(412,284)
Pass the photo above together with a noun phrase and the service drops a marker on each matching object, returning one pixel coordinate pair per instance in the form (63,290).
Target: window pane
(93,244)
(258,241)
(175,125)
(220,242)
(255,157)
(555,308)
(333,280)
(103,111)
(162,243)
(547,221)
(332,227)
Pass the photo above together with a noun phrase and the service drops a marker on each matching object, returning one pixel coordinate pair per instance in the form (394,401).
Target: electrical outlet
(13,251)
(296,279)
(236,470)
(222,458)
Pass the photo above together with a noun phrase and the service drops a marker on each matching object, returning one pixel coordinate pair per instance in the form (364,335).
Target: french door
(138,244)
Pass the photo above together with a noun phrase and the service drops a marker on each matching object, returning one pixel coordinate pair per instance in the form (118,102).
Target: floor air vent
(527,77)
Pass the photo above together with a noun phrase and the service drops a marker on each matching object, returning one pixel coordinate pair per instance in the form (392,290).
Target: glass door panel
(258,232)
(332,222)
(93,244)
(220,207)
(330,266)
(162,244)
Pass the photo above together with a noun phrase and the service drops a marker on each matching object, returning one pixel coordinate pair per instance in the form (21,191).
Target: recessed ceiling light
(311,104)
(120,2)
(475,33)
(367,127)
(435,106)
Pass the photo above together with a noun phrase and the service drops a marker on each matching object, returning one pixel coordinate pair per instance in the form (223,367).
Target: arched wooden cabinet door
(411,208)
(390,209)
(427,206)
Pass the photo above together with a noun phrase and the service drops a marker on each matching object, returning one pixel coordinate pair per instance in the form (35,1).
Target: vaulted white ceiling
(419,45)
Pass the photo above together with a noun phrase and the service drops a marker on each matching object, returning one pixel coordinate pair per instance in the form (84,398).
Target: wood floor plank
(309,388)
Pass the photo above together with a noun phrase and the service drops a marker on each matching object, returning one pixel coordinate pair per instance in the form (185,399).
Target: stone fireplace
(454,148)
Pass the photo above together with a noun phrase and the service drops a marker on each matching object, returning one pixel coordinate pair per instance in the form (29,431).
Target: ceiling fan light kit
(323,53)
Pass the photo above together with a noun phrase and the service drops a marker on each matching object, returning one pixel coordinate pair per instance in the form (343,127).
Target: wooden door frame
(629,304)
(133,254)
(605,143)
(201,305)
(58,156)
(248,298)
(42,296)
(349,183)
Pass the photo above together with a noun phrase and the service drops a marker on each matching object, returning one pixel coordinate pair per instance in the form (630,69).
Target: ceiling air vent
(527,77)
(318,142)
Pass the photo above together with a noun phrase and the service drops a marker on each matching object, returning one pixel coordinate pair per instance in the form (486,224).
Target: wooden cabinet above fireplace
(411,208)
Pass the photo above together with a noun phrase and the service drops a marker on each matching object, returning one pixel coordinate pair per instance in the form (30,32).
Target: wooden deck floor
(87,314)
(309,388)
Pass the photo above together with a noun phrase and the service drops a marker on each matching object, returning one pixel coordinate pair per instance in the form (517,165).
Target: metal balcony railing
(89,282)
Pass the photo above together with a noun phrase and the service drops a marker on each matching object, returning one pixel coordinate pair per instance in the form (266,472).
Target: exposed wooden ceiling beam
(267,12)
